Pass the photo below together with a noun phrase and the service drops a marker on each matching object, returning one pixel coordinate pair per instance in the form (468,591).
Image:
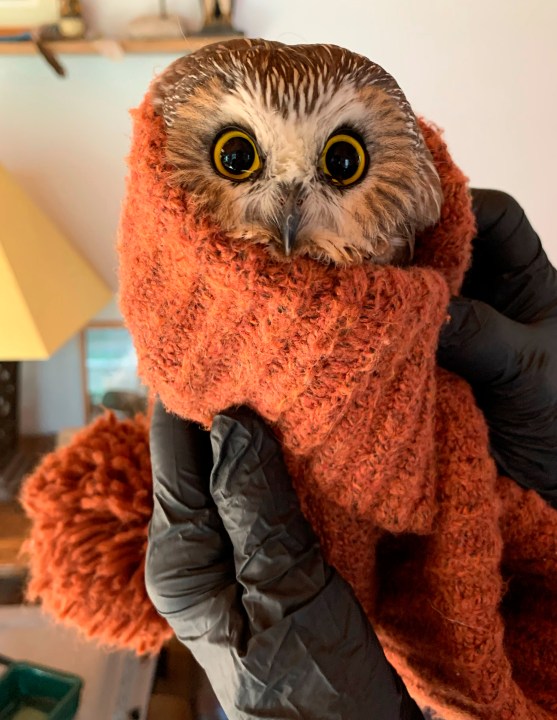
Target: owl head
(309,149)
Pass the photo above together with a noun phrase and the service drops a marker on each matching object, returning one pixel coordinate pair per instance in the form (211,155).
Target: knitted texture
(456,568)
(90,504)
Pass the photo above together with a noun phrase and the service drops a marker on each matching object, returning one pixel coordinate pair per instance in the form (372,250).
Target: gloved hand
(236,570)
(502,338)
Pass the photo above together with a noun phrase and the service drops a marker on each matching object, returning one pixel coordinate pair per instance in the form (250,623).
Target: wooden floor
(13,531)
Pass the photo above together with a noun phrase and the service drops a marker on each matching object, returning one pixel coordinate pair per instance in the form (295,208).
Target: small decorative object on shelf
(71,24)
(163,25)
(218,18)
(20,16)
(25,20)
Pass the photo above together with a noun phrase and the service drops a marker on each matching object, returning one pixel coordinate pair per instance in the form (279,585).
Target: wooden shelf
(114,47)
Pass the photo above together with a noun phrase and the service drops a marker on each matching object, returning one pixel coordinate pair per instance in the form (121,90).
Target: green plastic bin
(32,692)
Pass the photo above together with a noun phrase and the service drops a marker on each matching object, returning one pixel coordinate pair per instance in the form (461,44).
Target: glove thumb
(480,344)
(277,556)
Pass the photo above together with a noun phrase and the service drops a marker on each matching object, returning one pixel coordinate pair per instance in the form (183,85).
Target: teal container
(32,692)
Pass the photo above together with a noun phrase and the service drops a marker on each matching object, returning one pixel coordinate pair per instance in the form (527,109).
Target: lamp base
(9,415)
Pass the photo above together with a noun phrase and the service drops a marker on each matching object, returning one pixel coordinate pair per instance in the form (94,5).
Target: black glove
(502,338)
(236,570)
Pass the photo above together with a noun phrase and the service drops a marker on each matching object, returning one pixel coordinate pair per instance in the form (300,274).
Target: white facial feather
(292,146)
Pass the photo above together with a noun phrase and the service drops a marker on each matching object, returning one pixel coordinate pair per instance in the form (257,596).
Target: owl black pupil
(237,155)
(342,160)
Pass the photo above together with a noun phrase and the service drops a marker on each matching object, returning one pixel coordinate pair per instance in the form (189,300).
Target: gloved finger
(292,664)
(480,344)
(524,449)
(510,270)
(277,556)
(322,660)
(189,556)
(512,369)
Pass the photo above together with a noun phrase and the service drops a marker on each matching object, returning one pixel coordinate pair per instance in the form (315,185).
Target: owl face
(309,149)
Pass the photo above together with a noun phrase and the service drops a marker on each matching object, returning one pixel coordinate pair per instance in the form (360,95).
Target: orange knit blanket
(456,568)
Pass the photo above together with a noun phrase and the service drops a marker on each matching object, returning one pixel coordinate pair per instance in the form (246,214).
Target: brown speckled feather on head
(456,568)
(290,77)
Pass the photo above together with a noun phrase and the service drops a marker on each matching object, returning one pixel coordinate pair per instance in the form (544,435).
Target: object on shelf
(35,37)
(71,23)
(21,20)
(48,55)
(19,16)
(15,35)
(218,18)
(163,25)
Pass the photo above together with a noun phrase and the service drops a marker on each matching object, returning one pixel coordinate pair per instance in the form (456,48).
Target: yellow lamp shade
(47,290)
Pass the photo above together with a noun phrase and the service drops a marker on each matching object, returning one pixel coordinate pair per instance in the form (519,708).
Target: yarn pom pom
(90,505)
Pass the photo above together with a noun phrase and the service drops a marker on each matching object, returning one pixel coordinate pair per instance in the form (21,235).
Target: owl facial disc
(307,149)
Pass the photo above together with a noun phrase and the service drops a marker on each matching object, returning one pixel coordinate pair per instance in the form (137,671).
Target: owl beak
(291,216)
(289,230)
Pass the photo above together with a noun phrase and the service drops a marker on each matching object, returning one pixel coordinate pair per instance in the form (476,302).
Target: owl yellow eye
(344,159)
(235,155)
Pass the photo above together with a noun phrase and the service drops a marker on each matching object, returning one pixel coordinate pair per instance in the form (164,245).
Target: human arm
(236,570)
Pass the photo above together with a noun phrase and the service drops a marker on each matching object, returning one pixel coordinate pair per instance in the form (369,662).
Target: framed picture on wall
(109,372)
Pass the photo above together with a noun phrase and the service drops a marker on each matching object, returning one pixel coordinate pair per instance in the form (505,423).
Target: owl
(310,150)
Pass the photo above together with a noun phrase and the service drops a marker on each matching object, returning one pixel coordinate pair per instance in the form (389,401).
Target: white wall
(483,70)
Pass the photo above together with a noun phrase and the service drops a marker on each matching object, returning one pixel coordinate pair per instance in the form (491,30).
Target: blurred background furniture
(36,692)
(47,293)
(117,685)
(13,523)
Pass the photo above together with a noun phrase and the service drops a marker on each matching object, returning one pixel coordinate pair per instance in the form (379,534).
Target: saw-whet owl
(309,149)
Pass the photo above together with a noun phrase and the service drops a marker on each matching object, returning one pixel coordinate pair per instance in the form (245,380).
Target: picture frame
(109,372)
